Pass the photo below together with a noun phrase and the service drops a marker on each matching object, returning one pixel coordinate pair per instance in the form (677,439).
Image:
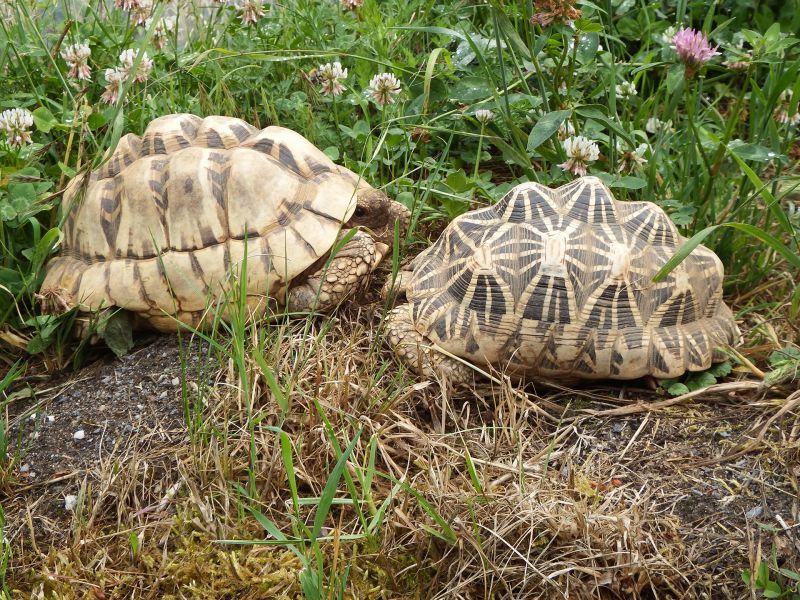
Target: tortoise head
(376,213)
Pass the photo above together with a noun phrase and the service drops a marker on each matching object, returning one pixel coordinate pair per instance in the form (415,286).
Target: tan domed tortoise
(157,229)
(557,284)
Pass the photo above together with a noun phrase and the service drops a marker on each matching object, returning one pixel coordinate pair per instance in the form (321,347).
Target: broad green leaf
(546,127)
(332,152)
(44,119)
(117,333)
(790,574)
(628,182)
(66,169)
(675,77)
(457,181)
(678,389)
(752,151)
(471,88)
(587,47)
(700,381)
(721,369)
(596,113)
(772,590)
(96,120)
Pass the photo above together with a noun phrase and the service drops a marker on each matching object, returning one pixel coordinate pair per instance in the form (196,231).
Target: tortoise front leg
(346,272)
(418,352)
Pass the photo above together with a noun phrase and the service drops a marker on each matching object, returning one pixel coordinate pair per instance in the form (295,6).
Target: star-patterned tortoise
(557,284)
(158,228)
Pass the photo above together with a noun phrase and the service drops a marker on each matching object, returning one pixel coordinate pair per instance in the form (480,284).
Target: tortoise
(556,284)
(160,226)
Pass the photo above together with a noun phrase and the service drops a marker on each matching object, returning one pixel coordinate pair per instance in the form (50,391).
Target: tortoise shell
(159,226)
(558,282)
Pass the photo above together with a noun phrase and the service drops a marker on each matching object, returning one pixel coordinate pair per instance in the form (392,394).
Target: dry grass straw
(494,500)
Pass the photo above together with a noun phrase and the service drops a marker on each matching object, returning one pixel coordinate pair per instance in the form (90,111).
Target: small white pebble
(140,406)
(79,435)
(33,417)
(25,468)
(50,418)
(176,381)
(70,502)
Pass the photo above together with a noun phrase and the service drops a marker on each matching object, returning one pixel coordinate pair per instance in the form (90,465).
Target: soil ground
(715,469)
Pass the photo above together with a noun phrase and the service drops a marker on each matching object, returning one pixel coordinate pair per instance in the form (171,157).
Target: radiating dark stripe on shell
(110,205)
(158,144)
(616,362)
(458,288)
(207,236)
(264,145)
(197,269)
(218,175)
(478,300)
(189,128)
(671,315)
(213,139)
(519,210)
(286,156)
(542,205)
(589,349)
(657,360)
(632,337)
(240,131)
(317,168)
(549,301)
(472,345)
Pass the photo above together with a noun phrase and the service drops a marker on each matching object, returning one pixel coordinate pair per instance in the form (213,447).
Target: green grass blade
(331,485)
(698,238)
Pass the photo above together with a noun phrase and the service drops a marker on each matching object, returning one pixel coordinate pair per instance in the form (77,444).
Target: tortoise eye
(360,212)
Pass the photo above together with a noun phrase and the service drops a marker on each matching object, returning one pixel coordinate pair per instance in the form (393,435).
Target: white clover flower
(383,88)
(331,76)
(76,57)
(17,122)
(669,33)
(127,4)
(114,77)
(140,14)
(565,130)
(781,114)
(484,116)
(580,151)
(251,11)
(626,89)
(161,29)
(631,160)
(70,502)
(128,57)
(656,125)
(352,4)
